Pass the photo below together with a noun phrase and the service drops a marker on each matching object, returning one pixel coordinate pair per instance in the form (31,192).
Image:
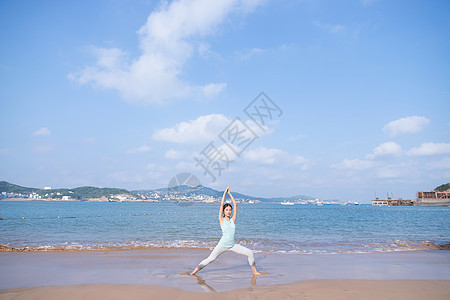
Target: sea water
(262,227)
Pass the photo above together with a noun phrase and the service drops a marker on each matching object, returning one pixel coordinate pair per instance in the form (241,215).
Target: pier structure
(424,198)
(392,202)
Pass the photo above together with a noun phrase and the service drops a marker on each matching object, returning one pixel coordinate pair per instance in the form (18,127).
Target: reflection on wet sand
(209,288)
(201,282)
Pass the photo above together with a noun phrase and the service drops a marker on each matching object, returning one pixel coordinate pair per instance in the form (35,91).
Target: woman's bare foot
(194,272)
(255,272)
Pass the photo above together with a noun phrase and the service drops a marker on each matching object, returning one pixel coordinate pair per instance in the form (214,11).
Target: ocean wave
(258,246)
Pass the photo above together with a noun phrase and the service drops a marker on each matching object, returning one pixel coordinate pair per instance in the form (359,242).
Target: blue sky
(126,93)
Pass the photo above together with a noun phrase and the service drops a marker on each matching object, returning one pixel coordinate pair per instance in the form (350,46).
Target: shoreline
(315,289)
(411,247)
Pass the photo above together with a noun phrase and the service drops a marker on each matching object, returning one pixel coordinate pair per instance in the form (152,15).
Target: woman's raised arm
(234,205)
(221,206)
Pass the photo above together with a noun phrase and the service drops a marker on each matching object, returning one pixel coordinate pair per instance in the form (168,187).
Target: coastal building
(433,198)
(34,196)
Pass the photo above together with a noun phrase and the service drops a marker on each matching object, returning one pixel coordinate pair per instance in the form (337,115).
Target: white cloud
(201,130)
(389,172)
(264,155)
(190,166)
(367,2)
(272,175)
(156,171)
(155,167)
(298,159)
(297,137)
(204,49)
(246,54)
(141,149)
(302,161)
(213,89)
(174,154)
(430,149)
(385,149)
(406,125)
(354,164)
(167,42)
(4,150)
(333,29)
(403,170)
(267,156)
(42,132)
(225,155)
(439,164)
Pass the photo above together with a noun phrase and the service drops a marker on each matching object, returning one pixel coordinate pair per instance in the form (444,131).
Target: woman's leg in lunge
(249,253)
(212,257)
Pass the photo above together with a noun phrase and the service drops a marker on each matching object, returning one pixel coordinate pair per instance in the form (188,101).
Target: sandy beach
(157,273)
(318,289)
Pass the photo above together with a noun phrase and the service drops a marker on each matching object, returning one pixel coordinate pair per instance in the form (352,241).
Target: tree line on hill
(443,187)
(85,192)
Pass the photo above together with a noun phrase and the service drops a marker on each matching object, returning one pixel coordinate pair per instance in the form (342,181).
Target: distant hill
(443,187)
(85,192)
(14,188)
(90,192)
(186,190)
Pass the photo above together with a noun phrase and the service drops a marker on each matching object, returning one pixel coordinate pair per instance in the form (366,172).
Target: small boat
(352,203)
(286,203)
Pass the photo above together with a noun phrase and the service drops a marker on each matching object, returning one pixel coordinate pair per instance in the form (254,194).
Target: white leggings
(218,250)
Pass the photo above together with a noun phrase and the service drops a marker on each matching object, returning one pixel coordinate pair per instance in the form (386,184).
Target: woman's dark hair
(225,206)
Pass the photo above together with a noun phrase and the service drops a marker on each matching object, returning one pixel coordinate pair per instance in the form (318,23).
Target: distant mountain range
(88,192)
(177,193)
(185,190)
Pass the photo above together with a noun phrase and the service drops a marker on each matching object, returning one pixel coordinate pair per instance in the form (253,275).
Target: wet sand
(319,289)
(87,274)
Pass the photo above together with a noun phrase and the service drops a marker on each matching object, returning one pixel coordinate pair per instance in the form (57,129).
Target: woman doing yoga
(227,242)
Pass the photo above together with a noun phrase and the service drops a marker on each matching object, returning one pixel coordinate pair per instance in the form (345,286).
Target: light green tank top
(228,230)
